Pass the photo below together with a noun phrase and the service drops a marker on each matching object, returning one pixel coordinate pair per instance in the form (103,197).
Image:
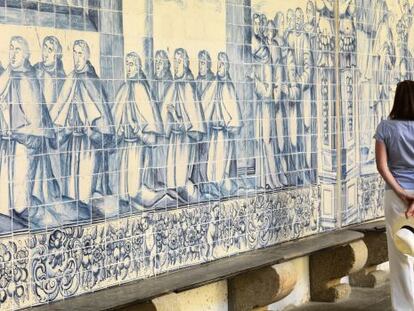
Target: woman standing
(394,151)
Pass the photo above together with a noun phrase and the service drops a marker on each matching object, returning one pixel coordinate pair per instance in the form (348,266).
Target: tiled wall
(142,136)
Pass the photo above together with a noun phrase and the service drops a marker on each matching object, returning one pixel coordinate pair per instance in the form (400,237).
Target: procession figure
(204,83)
(163,76)
(310,26)
(265,128)
(51,76)
(223,116)
(163,81)
(184,126)
(279,22)
(279,87)
(85,128)
(290,26)
(300,73)
(137,123)
(50,70)
(205,75)
(24,127)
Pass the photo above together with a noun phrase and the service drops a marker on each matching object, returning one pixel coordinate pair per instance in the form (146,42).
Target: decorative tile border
(371,197)
(53,265)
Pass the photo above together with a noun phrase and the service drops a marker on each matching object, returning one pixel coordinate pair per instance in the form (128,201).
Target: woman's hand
(409,212)
(405,197)
(408,199)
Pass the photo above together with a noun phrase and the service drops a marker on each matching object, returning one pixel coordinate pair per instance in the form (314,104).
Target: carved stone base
(368,277)
(327,267)
(376,243)
(212,296)
(261,287)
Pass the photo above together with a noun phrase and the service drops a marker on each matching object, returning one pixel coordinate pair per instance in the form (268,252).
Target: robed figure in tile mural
(279,80)
(163,77)
(49,71)
(223,116)
(184,126)
(24,126)
(51,76)
(162,83)
(204,84)
(280,93)
(137,124)
(300,75)
(82,115)
(265,167)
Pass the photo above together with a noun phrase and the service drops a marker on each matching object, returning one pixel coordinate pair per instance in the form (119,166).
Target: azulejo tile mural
(74,260)
(138,137)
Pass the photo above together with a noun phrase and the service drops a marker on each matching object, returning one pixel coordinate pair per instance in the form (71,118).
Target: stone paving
(361,299)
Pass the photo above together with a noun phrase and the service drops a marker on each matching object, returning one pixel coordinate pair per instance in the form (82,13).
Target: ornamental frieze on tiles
(53,265)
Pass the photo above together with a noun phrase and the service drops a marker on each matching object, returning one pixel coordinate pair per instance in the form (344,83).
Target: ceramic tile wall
(139,137)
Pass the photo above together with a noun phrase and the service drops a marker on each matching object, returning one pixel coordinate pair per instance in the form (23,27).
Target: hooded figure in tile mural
(50,70)
(25,125)
(278,77)
(162,83)
(83,117)
(204,84)
(290,25)
(265,129)
(184,126)
(280,93)
(163,76)
(137,123)
(51,76)
(223,116)
(300,75)
(205,75)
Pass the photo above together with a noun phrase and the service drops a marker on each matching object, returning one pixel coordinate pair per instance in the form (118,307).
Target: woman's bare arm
(382,167)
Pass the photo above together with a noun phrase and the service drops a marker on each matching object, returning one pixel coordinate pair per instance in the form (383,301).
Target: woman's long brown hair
(403,108)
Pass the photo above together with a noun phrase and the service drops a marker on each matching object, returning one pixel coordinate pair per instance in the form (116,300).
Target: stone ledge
(143,290)
(372,226)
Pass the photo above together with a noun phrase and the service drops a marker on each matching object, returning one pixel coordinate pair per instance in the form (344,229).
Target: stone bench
(254,279)
(376,241)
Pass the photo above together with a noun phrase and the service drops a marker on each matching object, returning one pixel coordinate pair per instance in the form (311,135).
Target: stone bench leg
(327,267)
(212,296)
(370,275)
(260,288)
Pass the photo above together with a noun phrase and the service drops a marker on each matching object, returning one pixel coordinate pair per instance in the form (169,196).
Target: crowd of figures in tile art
(68,152)
(129,164)
(63,144)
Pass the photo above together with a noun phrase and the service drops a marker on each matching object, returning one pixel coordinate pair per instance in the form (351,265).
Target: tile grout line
(338,135)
